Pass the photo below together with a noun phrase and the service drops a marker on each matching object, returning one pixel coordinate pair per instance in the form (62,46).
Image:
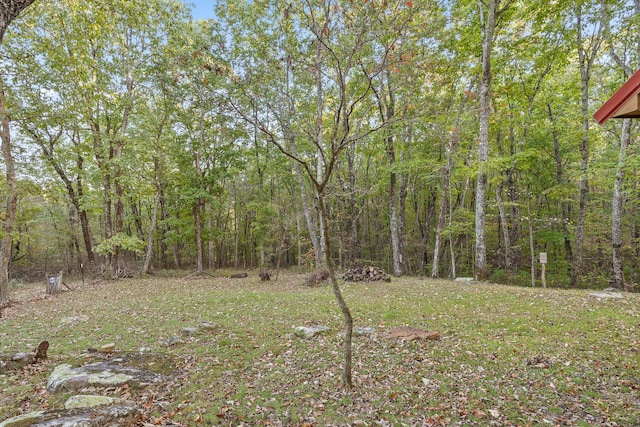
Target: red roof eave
(624,94)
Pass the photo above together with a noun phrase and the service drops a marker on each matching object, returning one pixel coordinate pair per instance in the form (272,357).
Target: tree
(489,14)
(588,45)
(632,45)
(9,10)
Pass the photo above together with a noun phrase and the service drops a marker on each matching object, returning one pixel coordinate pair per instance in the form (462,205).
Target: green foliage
(120,241)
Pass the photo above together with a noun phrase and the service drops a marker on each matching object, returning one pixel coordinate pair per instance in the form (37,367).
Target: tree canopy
(439,138)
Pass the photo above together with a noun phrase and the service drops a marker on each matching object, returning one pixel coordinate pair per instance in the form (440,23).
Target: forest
(428,138)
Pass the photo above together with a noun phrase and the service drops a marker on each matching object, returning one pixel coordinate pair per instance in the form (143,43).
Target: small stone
(108,348)
(208,326)
(21,357)
(173,341)
(463,279)
(359,331)
(190,331)
(310,332)
(89,401)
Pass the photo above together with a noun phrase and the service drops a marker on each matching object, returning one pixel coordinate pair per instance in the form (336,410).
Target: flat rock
(310,331)
(190,331)
(208,326)
(360,331)
(89,401)
(607,293)
(410,334)
(111,373)
(172,341)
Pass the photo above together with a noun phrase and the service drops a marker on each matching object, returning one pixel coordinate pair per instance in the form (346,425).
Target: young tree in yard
(345,65)
(9,10)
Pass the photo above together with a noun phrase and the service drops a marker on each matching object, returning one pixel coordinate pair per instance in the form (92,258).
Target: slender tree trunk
(11,200)
(618,207)
(82,215)
(444,191)
(489,19)
(442,212)
(505,229)
(197,219)
(532,250)
(322,243)
(346,313)
(564,206)
(586,56)
(152,229)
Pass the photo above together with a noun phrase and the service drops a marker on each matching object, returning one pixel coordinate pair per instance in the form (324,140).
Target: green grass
(253,370)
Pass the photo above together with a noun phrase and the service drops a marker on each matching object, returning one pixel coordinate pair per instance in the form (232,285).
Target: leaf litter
(506,355)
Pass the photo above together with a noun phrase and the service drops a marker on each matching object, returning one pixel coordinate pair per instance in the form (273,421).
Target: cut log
(54,284)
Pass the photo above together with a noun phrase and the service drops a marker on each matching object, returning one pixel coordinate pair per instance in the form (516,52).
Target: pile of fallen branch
(367,274)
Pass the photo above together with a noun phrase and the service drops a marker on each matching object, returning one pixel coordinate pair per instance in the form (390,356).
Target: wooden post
(54,284)
(543,261)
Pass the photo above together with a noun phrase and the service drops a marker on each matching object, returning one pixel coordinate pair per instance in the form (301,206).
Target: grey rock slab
(110,416)
(606,294)
(101,374)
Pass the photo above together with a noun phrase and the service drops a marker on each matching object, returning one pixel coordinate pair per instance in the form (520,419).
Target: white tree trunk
(489,17)
(618,207)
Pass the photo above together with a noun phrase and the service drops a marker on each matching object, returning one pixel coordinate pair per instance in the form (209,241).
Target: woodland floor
(507,356)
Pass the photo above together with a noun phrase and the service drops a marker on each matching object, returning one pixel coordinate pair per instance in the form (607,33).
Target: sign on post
(543,261)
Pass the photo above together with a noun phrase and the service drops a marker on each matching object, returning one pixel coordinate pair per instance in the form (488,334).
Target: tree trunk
(532,250)
(346,313)
(442,210)
(319,140)
(197,220)
(11,200)
(152,230)
(618,207)
(489,22)
(585,58)
(505,230)
(564,206)
(9,10)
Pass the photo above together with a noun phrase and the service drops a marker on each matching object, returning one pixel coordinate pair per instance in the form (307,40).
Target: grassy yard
(507,356)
